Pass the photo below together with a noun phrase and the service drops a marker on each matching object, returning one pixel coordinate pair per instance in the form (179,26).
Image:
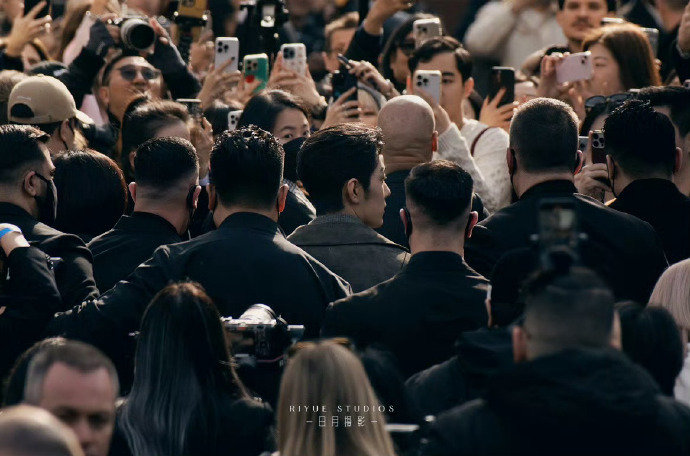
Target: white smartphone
(233,119)
(423,29)
(575,67)
(294,57)
(227,48)
(429,81)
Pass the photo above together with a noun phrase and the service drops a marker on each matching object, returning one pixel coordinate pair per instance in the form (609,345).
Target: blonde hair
(672,292)
(329,377)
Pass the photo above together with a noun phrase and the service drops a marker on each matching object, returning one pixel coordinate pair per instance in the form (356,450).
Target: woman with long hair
(186,398)
(329,383)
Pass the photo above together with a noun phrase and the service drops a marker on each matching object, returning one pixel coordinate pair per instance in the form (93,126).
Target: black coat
(623,249)
(660,203)
(133,239)
(579,401)
(247,260)
(418,314)
(298,211)
(74,274)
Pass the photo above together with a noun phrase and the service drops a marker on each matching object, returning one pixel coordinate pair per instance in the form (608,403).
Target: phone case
(256,67)
(423,29)
(294,57)
(430,81)
(233,119)
(575,67)
(653,37)
(582,142)
(502,77)
(227,48)
(598,143)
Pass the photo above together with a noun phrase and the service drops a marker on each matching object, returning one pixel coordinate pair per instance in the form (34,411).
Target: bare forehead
(133,60)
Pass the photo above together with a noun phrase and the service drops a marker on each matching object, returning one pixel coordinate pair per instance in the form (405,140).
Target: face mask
(47,204)
(291,149)
(190,203)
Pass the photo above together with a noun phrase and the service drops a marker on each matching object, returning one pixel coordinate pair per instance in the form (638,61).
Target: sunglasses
(613,100)
(129,73)
(407,47)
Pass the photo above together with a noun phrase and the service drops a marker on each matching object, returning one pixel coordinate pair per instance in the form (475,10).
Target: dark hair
(632,51)
(441,45)
(162,162)
(543,133)
(346,21)
(247,167)
(611,5)
(592,115)
(182,372)
(568,308)
(394,41)
(217,115)
(8,79)
(441,189)
(651,339)
(641,140)
(19,149)
(91,192)
(143,123)
(331,157)
(263,109)
(677,99)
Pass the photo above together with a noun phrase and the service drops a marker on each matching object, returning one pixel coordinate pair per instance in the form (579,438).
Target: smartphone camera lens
(426,81)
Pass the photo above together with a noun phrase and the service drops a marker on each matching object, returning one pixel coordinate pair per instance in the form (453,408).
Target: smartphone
(686,83)
(598,149)
(612,21)
(423,29)
(429,81)
(255,66)
(575,67)
(502,77)
(653,37)
(233,119)
(582,143)
(45,11)
(342,82)
(193,107)
(294,57)
(227,48)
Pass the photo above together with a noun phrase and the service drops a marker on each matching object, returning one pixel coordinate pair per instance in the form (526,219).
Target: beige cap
(47,98)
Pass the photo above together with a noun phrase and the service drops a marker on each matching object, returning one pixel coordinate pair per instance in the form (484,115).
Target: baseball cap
(48,100)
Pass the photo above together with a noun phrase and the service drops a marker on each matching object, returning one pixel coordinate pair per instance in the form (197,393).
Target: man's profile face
(84,401)
(452,86)
(578,17)
(340,41)
(371,211)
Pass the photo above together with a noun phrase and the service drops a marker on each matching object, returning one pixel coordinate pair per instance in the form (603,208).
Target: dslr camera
(260,337)
(135,32)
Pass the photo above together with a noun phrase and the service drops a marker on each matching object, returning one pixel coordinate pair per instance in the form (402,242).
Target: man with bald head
(31,431)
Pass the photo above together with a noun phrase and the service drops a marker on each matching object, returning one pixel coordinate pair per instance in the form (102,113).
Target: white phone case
(233,119)
(227,48)
(575,67)
(295,57)
(423,29)
(429,81)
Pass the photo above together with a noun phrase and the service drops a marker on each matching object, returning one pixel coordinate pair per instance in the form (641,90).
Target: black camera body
(135,32)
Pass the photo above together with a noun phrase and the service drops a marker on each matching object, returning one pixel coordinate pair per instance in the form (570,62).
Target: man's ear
(519,344)
(679,160)
(133,191)
(434,144)
(579,160)
(282,196)
(611,165)
(104,95)
(195,198)
(510,160)
(30,184)
(469,87)
(403,218)
(352,193)
(212,197)
(471,223)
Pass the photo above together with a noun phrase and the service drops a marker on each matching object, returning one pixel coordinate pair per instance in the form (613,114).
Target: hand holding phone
(575,67)
(227,49)
(295,57)
(255,66)
(423,29)
(502,77)
(429,81)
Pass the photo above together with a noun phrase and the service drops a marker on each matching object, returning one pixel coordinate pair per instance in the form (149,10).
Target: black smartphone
(45,11)
(502,77)
(342,82)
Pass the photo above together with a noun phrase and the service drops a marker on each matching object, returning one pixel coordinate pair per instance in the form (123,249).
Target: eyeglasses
(407,47)
(613,100)
(129,72)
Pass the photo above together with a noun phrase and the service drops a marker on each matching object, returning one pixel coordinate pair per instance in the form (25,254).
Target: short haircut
(31,431)
(442,190)
(8,79)
(77,355)
(568,309)
(677,99)
(345,22)
(20,148)
(641,140)
(611,5)
(263,109)
(440,45)
(543,133)
(247,167)
(331,157)
(162,162)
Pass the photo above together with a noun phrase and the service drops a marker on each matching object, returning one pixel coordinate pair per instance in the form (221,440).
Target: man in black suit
(247,260)
(542,158)
(165,192)
(419,313)
(28,199)
(642,157)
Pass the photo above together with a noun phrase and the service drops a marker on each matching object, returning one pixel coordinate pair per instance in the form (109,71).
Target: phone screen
(502,77)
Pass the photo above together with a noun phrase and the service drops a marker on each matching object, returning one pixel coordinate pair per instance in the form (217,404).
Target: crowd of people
(341,258)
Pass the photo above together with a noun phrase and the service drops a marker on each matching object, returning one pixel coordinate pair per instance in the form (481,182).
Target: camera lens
(426,81)
(137,34)
(419,83)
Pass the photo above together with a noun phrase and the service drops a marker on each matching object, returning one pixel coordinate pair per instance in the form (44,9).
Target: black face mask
(47,204)
(291,149)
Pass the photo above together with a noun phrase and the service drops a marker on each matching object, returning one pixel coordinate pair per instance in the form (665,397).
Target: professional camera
(264,19)
(259,336)
(135,32)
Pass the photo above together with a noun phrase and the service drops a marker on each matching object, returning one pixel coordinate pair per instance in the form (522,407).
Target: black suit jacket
(133,239)
(622,248)
(660,203)
(247,260)
(418,314)
(298,211)
(74,275)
